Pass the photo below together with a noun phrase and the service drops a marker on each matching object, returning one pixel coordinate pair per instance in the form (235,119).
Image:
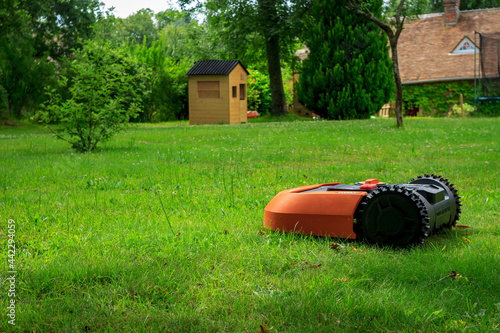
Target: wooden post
(462,104)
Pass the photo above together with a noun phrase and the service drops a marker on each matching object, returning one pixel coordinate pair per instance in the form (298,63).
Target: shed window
(235,92)
(242,91)
(208,89)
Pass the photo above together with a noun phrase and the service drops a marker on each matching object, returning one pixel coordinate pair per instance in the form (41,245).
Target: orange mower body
(320,213)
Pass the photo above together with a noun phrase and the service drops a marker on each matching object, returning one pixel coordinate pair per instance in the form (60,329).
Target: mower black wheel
(394,216)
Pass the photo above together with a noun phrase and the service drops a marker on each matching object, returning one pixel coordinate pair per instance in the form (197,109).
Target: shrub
(467,109)
(259,93)
(104,92)
(348,73)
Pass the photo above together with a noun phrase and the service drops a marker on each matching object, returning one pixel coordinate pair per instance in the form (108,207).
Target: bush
(467,110)
(348,73)
(104,93)
(259,93)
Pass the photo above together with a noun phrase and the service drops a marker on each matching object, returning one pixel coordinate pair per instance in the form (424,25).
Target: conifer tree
(348,73)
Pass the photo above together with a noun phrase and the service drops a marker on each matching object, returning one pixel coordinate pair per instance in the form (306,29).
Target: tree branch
(56,134)
(361,10)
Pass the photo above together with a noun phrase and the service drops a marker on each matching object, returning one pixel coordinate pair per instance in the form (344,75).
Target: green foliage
(23,76)
(59,26)
(348,73)
(490,108)
(172,16)
(168,99)
(437,6)
(467,110)
(4,102)
(105,92)
(137,28)
(259,93)
(35,36)
(436,99)
(411,7)
(183,38)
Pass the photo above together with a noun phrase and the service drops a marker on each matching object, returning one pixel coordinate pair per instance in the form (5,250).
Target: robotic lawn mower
(387,214)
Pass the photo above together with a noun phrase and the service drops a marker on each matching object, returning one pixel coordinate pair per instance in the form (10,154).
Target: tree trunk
(397,81)
(269,16)
(278,100)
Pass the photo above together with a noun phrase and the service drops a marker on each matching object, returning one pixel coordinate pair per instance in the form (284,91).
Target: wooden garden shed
(217,92)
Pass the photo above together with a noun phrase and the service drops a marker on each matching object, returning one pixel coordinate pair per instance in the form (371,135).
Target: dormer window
(466,46)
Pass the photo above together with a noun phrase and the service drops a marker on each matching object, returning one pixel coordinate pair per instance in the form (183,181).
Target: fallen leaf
(262,232)
(354,248)
(336,246)
(308,264)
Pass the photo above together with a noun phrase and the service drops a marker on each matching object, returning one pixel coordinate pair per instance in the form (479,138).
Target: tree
(392,29)
(35,36)
(347,74)
(60,26)
(172,16)
(137,27)
(184,38)
(168,99)
(249,26)
(105,92)
(417,7)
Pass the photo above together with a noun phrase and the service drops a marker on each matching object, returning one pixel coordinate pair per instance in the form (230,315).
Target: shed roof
(214,67)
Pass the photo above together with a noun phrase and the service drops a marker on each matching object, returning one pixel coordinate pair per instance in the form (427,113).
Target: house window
(235,92)
(466,46)
(242,91)
(208,89)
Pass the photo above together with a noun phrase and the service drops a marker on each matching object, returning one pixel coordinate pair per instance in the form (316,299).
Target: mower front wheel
(393,215)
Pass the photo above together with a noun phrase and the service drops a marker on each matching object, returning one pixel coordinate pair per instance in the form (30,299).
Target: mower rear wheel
(444,183)
(393,215)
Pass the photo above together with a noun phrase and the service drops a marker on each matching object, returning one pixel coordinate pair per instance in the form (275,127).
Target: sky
(124,8)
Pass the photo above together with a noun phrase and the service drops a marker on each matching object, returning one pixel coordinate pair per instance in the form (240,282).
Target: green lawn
(97,253)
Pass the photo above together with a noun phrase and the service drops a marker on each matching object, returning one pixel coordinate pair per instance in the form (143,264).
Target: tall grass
(161,230)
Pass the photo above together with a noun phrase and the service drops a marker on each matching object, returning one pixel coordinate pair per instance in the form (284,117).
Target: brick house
(440,47)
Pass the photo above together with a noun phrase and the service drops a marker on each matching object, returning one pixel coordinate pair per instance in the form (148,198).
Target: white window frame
(471,50)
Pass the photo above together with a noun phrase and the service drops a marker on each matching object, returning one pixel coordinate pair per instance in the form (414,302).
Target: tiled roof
(214,67)
(425,45)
